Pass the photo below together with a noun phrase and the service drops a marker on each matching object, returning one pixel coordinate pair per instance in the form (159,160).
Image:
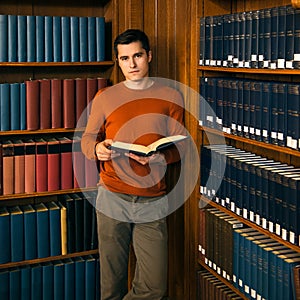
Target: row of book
(261,190)
(47,103)
(45,164)
(26,38)
(53,228)
(260,267)
(265,111)
(66,279)
(209,287)
(265,38)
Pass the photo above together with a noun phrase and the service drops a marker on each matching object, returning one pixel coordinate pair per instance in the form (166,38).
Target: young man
(132,204)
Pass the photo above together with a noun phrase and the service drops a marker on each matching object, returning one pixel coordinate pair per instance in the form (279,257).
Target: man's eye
(124,58)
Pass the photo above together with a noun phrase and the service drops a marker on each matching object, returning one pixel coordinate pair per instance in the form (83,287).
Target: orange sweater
(134,116)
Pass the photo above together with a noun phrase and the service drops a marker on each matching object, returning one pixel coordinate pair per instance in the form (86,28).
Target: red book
(53,161)
(8,167)
(19,166)
(29,158)
(81,101)
(45,103)
(41,165)
(78,163)
(66,167)
(32,104)
(56,103)
(91,90)
(91,173)
(69,103)
(102,83)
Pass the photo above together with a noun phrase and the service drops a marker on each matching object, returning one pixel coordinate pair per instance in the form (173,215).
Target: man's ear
(149,56)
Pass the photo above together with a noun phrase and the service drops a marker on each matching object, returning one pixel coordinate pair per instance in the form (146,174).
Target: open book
(141,150)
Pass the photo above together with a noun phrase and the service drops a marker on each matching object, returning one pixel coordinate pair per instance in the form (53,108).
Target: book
(40,38)
(63,228)
(19,166)
(69,276)
(142,150)
(57,41)
(54,228)
(48,38)
(41,165)
(15,105)
(53,162)
(3,38)
(59,282)
(29,157)
(45,103)
(12,38)
(25,282)
(48,280)
(65,39)
(56,103)
(68,107)
(5,253)
(31,38)
(15,283)
(32,104)
(79,285)
(5,106)
(8,167)
(36,282)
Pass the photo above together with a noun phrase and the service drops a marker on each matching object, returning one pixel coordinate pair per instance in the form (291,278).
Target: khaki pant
(149,241)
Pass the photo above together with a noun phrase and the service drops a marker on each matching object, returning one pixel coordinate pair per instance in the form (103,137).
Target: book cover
(57,42)
(69,103)
(48,38)
(32,104)
(54,228)
(15,106)
(4,38)
(5,106)
(30,232)
(19,166)
(17,233)
(31,38)
(43,230)
(12,38)
(30,165)
(65,39)
(40,38)
(53,163)
(41,165)
(8,167)
(148,150)
(56,103)
(45,103)
(5,236)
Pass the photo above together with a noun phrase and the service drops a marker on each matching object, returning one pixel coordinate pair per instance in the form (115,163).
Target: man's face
(134,61)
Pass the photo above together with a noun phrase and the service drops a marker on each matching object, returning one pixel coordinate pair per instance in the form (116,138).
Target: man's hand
(157,158)
(103,152)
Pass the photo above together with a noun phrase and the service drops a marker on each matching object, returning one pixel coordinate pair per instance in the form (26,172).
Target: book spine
(36,282)
(30,232)
(45,103)
(12,38)
(83,39)
(48,38)
(8,168)
(69,103)
(31,38)
(65,39)
(57,41)
(32,104)
(40,38)
(56,103)
(74,37)
(80,102)
(15,114)
(41,165)
(19,167)
(100,38)
(3,38)
(48,281)
(21,36)
(53,156)
(30,166)
(43,230)
(5,106)
(5,236)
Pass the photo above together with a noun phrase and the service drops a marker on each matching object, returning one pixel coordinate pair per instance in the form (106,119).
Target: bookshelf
(64,206)
(211,135)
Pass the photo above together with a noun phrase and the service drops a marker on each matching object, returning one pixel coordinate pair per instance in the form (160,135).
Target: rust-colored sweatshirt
(134,116)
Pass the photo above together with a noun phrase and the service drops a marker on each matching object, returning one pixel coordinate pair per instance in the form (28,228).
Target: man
(132,205)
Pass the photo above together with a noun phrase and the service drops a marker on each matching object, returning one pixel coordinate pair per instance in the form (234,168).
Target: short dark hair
(130,36)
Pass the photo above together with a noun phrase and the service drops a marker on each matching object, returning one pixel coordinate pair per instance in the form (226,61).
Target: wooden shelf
(57,64)
(281,149)
(40,131)
(46,259)
(222,279)
(250,70)
(250,224)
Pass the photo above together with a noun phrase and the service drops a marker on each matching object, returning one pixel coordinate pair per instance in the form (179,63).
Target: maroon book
(41,165)
(32,104)
(19,166)
(29,160)
(81,101)
(56,103)
(8,167)
(45,103)
(102,83)
(69,103)
(66,167)
(78,163)
(53,161)
(91,90)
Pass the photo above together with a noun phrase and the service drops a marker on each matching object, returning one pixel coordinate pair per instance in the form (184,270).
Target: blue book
(21,33)
(79,278)
(288,278)
(36,282)
(5,106)
(48,281)
(55,228)
(57,39)
(17,233)
(43,236)
(92,46)
(3,38)
(4,286)
(90,275)
(59,280)
(48,38)
(31,39)
(69,275)
(22,106)
(100,38)
(14,283)
(25,282)
(74,37)
(83,39)
(12,38)
(5,253)
(65,39)
(30,232)
(15,106)
(79,218)
(40,38)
